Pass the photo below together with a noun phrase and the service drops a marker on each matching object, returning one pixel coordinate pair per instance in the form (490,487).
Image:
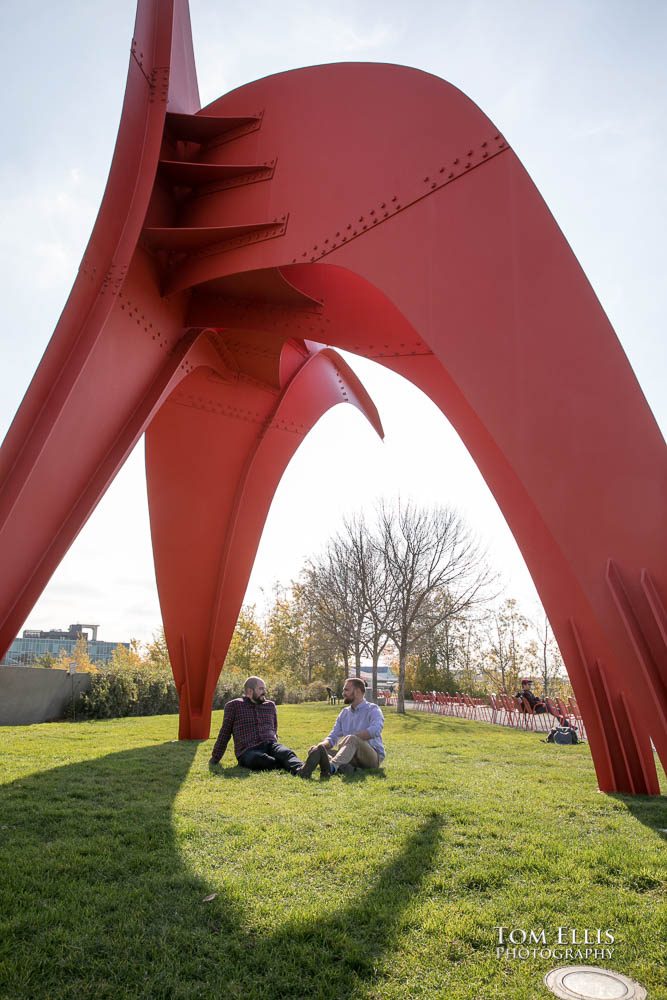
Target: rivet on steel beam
(484,144)
(383,205)
(451,175)
(372,212)
(456,161)
(442,170)
(395,198)
(426,180)
(433,185)
(350,226)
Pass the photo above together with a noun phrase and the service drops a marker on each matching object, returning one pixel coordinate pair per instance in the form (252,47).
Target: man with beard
(253,722)
(357,731)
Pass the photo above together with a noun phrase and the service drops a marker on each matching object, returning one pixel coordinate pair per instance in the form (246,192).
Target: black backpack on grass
(563,735)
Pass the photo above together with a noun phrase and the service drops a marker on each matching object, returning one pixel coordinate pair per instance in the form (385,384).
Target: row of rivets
(388,209)
(268,233)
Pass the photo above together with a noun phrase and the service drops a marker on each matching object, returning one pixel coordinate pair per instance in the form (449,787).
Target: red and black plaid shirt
(249,723)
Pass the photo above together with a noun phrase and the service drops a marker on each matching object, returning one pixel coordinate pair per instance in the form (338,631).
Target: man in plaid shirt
(253,722)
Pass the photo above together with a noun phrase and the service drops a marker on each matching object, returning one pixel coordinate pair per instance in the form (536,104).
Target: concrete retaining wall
(37,694)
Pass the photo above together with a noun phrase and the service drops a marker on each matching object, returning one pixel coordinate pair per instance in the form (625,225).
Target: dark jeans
(269,757)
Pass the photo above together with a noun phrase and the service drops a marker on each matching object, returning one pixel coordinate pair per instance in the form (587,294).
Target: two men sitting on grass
(253,723)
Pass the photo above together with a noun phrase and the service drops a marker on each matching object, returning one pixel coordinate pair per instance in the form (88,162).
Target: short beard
(259,698)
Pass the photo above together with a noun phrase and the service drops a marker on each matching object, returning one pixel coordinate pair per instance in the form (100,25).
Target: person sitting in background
(357,731)
(253,722)
(538,705)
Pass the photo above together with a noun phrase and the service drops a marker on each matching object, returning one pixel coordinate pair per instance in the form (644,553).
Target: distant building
(34,643)
(386,677)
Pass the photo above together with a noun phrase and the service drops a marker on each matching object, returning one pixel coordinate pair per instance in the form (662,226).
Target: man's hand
(324,744)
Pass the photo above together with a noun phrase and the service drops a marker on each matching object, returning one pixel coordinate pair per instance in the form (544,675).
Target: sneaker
(312,760)
(346,769)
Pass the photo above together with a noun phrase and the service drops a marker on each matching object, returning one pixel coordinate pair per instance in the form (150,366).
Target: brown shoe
(312,760)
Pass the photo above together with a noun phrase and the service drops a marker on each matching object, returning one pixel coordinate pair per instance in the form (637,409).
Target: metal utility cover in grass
(584,982)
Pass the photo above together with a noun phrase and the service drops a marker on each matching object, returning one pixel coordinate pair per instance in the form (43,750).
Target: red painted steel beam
(377,209)
(214,457)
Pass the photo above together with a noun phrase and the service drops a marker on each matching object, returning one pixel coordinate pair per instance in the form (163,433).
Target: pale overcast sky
(578,88)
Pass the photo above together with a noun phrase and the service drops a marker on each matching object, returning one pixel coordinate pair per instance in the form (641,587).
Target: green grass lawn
(383,886)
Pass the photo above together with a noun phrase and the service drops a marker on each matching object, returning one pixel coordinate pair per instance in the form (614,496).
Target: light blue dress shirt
(354,720)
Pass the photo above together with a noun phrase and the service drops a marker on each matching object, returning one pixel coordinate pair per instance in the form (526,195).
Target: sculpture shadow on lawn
(99,900)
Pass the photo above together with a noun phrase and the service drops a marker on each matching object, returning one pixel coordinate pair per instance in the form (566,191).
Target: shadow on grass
(361,774)
(216,771)
(651,810)
(98,901)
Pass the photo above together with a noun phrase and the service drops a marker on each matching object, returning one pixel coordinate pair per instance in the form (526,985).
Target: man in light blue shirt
(357,734)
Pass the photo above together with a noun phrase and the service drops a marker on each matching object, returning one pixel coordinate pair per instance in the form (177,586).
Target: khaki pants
(352,750)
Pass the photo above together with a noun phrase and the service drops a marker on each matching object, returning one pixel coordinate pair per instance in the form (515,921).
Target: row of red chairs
(503,709)
(462,705)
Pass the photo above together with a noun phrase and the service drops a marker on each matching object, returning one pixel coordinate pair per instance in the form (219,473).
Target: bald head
(255,689)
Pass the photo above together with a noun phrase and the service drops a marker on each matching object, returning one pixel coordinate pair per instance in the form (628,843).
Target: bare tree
(334,587)
(369,568)
(549,659)
(427,552)
(506,655)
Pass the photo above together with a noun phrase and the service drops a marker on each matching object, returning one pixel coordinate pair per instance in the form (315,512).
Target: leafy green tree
(246,650)
(285,651)
(157,654)
(78,658)
(47,660)
(123,658)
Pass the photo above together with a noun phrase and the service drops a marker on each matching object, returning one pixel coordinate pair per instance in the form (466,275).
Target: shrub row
(114,694)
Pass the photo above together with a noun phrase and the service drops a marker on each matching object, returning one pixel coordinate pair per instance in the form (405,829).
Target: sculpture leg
(214,457)
(76,443)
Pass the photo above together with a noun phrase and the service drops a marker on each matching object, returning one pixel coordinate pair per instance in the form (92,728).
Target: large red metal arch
(372,208)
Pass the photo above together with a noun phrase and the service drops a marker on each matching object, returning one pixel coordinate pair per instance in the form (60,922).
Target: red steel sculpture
(373,208)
